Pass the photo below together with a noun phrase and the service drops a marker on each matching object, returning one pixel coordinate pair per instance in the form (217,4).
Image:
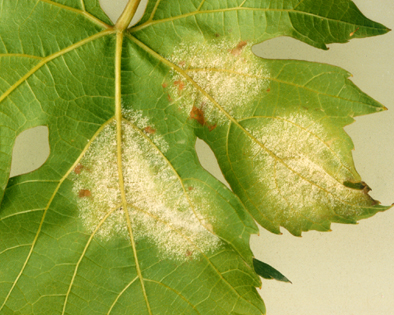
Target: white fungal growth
(225,70)
(301,175)
(157,203)
(136,117)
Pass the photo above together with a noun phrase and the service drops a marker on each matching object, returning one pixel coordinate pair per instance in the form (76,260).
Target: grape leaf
(122,218)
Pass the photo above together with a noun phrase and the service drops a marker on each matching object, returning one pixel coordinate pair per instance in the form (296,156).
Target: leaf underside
(122,218)
(267,272)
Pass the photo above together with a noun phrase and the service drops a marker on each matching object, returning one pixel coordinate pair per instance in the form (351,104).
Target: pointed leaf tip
(267,272)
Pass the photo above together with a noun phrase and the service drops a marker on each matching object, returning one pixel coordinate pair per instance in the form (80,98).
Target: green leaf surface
(122,218)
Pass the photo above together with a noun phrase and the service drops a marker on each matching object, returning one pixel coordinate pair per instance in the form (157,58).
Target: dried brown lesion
(354,32)
(212,127)
(78,169)
(238,49)
(189,254)
(180,85)
(84,193)
(150,130)
(198,114)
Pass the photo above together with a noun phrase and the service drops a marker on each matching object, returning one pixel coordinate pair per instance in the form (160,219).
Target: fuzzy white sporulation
(137,118)
(299,171)
(226,70)
(158,205)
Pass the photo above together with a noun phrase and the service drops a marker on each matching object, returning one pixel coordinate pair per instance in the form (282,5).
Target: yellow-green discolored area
(301,174)
(160,208)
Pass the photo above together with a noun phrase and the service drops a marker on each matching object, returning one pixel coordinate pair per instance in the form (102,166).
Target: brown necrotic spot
(180,85)
(212,127)
(150,130)
(237,50)
(78,169)
(197,114)
(352,33)
(84,193)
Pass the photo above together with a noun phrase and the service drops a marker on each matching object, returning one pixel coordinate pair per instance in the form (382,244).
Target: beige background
(345,272)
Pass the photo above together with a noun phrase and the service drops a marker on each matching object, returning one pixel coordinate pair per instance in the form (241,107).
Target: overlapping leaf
(276,127)
(122,218)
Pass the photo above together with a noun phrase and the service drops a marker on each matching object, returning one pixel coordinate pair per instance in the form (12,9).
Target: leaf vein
(45,212)
(176,292)
(81,12)
(82,256)
(46,60)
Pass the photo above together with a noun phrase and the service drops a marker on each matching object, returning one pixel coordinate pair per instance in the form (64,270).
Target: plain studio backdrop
(347,271)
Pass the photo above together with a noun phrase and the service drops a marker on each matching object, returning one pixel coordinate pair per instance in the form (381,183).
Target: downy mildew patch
(226,70)
(160,208)
(300,174)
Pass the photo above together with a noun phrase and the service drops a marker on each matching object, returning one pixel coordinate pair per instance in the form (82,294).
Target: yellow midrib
(118,117)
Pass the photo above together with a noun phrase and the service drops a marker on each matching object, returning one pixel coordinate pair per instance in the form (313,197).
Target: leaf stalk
(127,15)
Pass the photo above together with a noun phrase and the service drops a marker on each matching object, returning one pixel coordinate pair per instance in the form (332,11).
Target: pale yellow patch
(226,70)
(158,205)
(300,173)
